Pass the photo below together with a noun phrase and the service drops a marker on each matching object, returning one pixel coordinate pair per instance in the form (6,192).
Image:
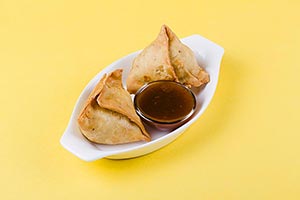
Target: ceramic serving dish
(208,55)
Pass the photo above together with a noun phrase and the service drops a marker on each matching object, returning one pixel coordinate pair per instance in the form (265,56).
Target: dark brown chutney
(165,101)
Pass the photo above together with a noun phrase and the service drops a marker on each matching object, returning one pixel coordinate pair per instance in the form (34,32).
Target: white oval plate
(208,55)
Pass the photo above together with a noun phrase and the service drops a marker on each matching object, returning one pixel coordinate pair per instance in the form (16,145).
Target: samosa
(166,58)
(108,116)
(184,62)
(152,64)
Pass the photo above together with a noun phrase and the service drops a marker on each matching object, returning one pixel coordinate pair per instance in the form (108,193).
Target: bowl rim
(166,122)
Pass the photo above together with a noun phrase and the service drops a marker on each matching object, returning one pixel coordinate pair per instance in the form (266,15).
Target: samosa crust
(166,58)
(152,64)
(184,62)
(109,116)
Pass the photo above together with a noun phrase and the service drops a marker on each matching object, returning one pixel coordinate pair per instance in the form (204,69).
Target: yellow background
(245,146)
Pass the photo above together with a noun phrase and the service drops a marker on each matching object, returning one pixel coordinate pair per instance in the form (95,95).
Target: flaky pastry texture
(108,116)
(166,58)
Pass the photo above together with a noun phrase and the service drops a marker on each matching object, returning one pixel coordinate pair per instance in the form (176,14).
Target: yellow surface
(245,146)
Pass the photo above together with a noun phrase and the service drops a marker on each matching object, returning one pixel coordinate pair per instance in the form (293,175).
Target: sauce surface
(165,102)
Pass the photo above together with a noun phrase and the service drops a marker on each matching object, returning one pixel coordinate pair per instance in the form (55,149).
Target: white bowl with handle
(208,55)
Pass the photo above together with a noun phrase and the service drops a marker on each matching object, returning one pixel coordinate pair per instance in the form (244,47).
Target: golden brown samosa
(108,116)
(166,58)
(152,64)
(184,62)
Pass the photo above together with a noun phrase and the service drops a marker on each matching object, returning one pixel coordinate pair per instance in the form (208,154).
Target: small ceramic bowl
(164,105)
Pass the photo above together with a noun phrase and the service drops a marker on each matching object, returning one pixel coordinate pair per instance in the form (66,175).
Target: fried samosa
(166,58)
(108,116)
(184,62)
(152,64)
